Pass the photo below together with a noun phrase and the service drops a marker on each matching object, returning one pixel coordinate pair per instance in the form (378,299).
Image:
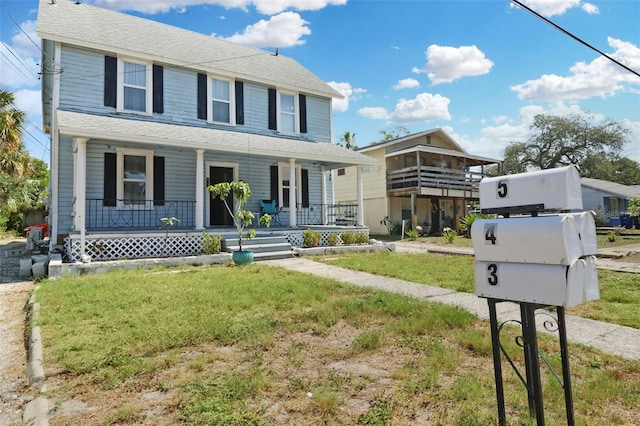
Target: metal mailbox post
(539,252)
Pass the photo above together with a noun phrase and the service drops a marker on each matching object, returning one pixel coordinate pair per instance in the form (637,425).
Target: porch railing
(337,214)
(118,214)
(433,177)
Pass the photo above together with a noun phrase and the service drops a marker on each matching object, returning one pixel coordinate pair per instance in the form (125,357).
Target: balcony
(437,181)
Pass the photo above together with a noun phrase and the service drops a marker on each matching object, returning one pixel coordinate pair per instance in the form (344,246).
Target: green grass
(619,292)
(261,346)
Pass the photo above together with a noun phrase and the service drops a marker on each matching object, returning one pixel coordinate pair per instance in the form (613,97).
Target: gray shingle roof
(112,128)
(616,189)
(102,29)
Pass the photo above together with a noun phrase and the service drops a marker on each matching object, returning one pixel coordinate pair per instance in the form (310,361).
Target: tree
(348,140)
(621,170)
(395,133)
(559,141)
(23,179)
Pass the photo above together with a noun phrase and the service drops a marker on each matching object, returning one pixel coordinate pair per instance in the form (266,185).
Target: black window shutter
(202,96)
(273,120)
(303,113)
(274,183)
(239,102)
(158,181)
(110,81)
(109,190)
(305,188)
(158,89)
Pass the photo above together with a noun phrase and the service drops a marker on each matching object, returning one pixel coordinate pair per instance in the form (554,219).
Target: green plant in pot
(241,191)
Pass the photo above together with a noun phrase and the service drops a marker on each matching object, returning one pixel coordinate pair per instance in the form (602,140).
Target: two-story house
(143,117)
(424,179)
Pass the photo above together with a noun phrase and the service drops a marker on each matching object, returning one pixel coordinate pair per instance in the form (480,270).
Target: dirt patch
(14,388)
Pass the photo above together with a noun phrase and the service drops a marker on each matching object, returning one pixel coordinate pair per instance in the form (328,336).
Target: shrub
(449,234)
(467,221)
(362,238)
(310,238)
(413,234)
(348,237)
(211,243)
(332,240)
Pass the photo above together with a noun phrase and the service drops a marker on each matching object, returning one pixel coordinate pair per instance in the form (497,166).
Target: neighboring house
(143,116)
(609,197)
(425,179)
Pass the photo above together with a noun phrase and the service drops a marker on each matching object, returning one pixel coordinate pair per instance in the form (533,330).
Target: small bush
(310,238)
(332,240)
(413,234)
(362,238)
(211,243)
(348,237)
(611,236)
(449,234)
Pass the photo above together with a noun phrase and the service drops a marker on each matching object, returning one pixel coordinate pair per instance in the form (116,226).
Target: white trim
(231,101)
(200,189)
(282,176)
(148,82)
(148,154)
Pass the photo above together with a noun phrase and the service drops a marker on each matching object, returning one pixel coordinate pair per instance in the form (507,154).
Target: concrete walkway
(613,339)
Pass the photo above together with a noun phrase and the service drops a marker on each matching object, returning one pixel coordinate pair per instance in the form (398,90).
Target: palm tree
(349,140)
(11,120)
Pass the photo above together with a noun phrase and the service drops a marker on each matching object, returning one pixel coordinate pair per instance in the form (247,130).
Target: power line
(20,28)
(576,38)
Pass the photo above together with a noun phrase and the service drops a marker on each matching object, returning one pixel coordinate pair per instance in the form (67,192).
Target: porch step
(263,248)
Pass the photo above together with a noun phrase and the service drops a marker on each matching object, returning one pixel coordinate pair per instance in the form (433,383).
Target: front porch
(154,243)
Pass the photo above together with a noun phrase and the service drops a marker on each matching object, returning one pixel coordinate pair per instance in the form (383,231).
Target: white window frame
(282,175)
(148,154)
(231,101)
(148,87)
(296,112)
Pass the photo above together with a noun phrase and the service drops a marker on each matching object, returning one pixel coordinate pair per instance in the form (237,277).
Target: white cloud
(407,83)
(424,107)
(591,9)
(601,77)
(19,61)
(283,30)
(550,7)
(267,7)
(349,93)
(446,64)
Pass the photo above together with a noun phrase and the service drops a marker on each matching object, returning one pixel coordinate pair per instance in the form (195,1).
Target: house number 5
(503,189)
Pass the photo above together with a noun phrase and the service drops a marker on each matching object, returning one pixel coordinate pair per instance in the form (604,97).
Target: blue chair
(270,207)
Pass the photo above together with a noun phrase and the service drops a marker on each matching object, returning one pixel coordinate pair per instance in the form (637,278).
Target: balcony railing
(120,214)
(433,177)
(337,214)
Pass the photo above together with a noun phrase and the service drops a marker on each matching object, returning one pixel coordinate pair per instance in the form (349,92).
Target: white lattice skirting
(295,237)
(113,248)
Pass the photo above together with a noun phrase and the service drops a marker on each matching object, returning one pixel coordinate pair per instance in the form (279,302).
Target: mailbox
(545,259)
(549,190)
(554,239)
(557,285)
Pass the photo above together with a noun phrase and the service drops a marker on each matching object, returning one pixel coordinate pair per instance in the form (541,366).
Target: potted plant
(241,191)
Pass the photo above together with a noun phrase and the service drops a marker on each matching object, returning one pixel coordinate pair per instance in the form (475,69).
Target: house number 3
(492,274)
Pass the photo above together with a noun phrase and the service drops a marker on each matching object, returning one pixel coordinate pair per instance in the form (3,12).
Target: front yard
(261,345)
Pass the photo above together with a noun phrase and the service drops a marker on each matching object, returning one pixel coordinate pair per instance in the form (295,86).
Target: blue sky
(479,69)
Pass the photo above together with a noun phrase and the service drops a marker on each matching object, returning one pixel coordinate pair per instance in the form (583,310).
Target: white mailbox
(557,285)
(545,259)
(555,189)
(555,239)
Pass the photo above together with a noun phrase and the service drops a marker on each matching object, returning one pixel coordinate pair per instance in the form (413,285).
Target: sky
(480,70)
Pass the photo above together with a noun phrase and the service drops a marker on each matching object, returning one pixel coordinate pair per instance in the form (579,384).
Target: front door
(218,214)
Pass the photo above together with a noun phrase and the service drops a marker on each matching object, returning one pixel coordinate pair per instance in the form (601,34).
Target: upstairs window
(288,113)
(222,101)
(134,86)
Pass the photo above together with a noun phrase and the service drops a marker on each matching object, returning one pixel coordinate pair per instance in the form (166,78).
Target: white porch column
(292,193)
(323,173)
(360,196)
(199,189)
(80,189)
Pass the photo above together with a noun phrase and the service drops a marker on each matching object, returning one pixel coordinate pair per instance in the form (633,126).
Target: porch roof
(102,127)
(472,160)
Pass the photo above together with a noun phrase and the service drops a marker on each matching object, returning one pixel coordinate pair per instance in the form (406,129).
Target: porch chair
(271,208)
